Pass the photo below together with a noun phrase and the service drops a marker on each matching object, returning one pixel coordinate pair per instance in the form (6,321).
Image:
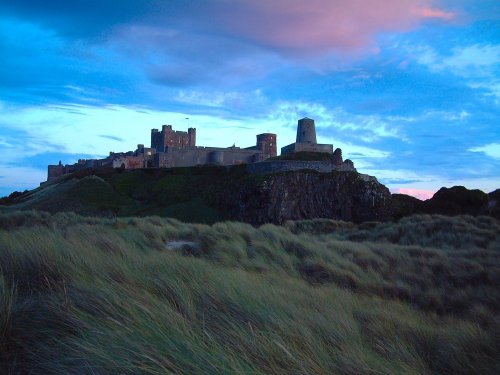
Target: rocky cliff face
(298,195)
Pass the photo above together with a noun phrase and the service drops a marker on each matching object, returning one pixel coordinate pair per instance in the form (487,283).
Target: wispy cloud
(112,137)
(436,13)
(472,60)
(492,150)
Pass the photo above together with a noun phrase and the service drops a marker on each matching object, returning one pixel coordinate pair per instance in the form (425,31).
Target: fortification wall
(192,156)
(129,162)
(290,165)
(297,165)
(307,147)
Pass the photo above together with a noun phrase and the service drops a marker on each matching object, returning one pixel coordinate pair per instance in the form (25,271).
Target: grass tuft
(107,295)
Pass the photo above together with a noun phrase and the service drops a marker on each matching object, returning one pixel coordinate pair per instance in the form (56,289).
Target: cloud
(492,150)
(477,63)
(223,99)
(285,25)
(322,26)
(463,60)
(217,42)
(112,137)
(436,13)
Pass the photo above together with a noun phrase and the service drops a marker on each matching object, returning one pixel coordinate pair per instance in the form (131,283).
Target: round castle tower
(306,131)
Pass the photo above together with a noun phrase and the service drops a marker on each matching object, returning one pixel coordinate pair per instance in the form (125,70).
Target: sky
(409,89)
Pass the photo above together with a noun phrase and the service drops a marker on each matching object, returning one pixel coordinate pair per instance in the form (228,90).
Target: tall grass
(106,296)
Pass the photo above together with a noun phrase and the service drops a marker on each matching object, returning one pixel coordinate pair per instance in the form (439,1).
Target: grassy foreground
(84,295)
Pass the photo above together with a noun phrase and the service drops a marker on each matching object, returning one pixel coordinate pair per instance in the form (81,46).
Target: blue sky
(409,89)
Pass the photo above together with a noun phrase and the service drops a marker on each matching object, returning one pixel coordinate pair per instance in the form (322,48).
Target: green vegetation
(143,192)
(106,296)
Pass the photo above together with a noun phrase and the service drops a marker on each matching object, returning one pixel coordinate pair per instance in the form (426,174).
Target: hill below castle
(209,194)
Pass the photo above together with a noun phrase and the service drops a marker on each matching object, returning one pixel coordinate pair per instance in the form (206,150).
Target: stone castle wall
(188,157)
(177,153)
(275,166)
(307,147)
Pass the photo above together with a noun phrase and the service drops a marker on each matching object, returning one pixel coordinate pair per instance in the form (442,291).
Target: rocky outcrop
(299,195)
(456,200)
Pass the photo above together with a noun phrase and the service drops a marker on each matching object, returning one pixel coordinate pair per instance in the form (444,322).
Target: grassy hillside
(156,296)
(182,193)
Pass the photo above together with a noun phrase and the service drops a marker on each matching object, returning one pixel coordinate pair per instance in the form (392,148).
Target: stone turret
(266,142)
(306,131)
(157,140)
(306,140)
(192,137)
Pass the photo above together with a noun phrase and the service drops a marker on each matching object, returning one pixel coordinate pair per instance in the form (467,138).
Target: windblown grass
(106,296)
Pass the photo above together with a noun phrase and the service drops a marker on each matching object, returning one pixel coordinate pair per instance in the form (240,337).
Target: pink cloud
(417,193)
(322,26)
(436,13)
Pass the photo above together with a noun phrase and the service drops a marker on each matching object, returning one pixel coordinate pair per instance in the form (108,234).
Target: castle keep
(170,148)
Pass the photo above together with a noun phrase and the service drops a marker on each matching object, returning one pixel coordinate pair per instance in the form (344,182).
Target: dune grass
(85,295)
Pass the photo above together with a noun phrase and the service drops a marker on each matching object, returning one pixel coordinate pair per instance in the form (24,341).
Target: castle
(170,148)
